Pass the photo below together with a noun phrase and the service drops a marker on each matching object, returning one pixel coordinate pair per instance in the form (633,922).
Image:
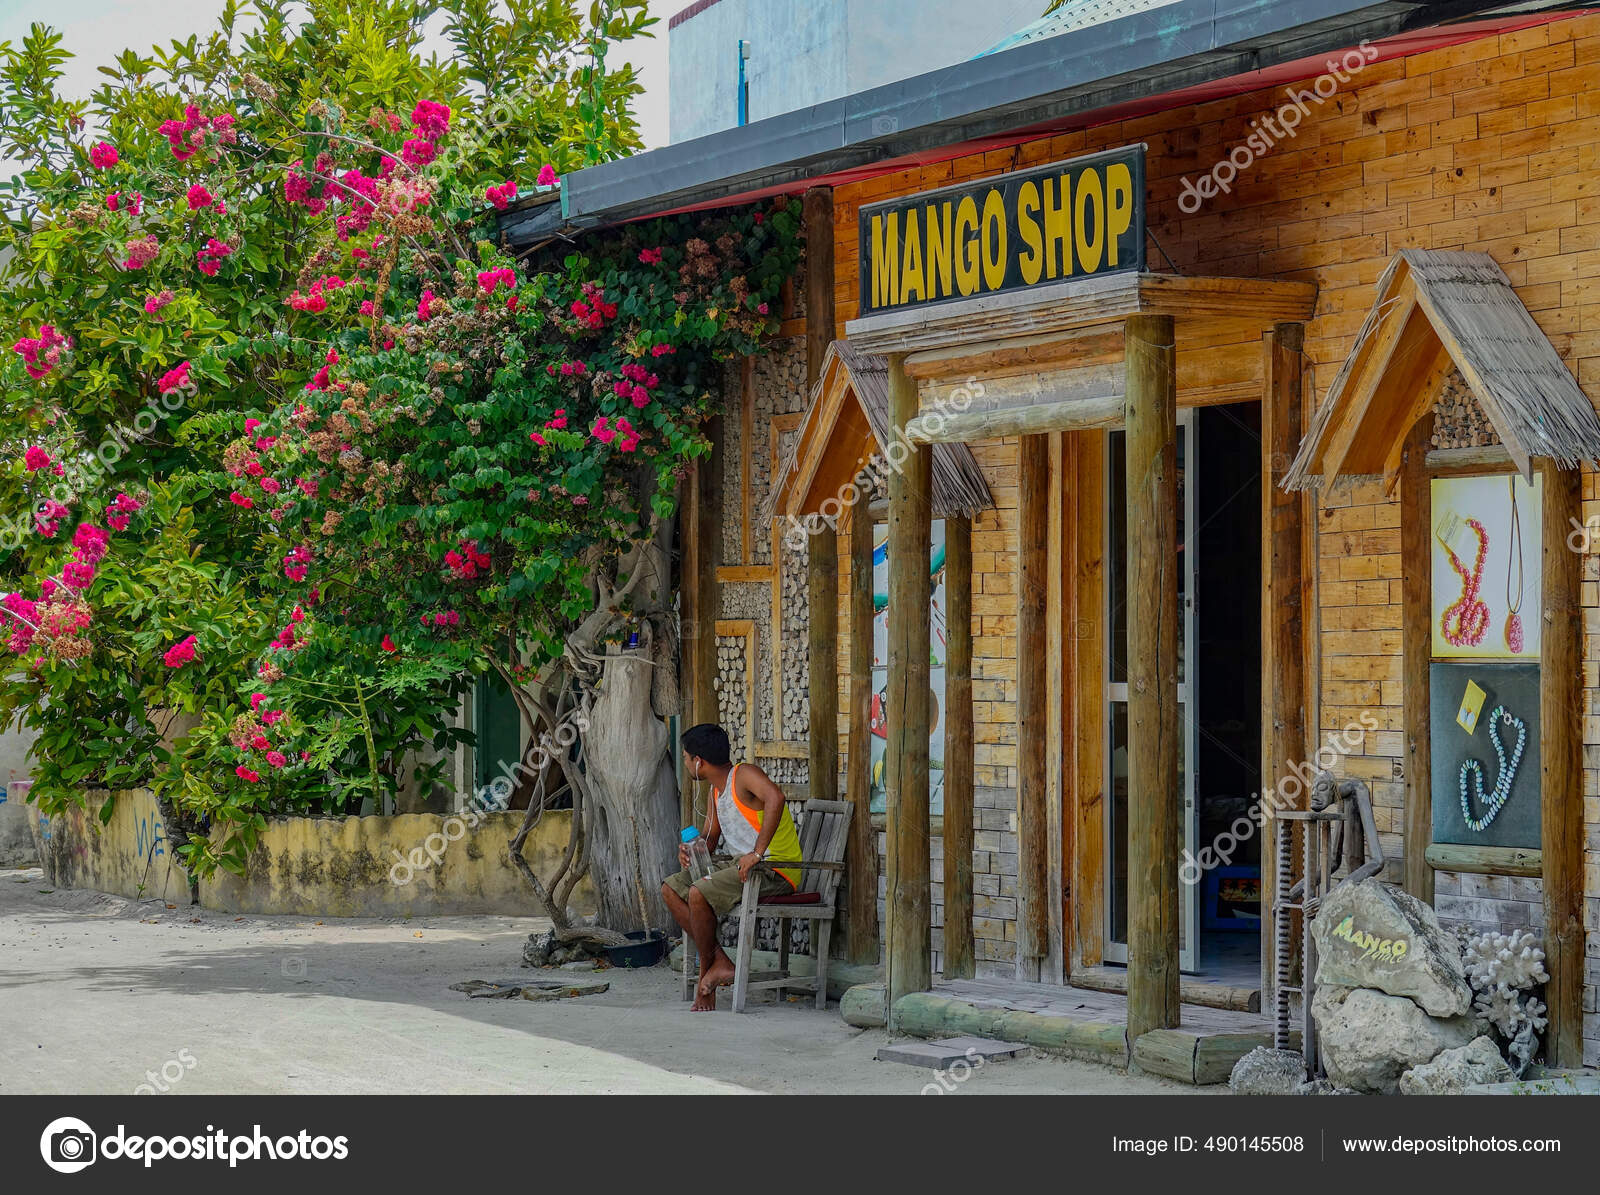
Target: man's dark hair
(710,742)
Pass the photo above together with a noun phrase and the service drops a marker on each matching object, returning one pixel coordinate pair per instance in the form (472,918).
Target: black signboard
(1075,219)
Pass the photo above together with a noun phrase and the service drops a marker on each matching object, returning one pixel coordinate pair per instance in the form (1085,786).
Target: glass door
(1116,693)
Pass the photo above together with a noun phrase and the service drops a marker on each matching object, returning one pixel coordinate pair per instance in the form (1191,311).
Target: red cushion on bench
(794,898)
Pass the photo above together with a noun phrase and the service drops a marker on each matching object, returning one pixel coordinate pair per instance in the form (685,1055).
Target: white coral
(1506,1010)
(1503,964)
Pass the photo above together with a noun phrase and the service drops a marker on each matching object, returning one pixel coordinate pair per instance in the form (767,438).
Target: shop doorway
(1219,691)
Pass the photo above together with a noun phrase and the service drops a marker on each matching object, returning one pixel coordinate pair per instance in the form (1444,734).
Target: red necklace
(1468,615)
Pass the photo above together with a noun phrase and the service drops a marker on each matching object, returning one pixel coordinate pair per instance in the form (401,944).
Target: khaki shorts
(723,889)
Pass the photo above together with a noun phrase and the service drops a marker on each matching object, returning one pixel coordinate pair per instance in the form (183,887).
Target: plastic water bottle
(699,853)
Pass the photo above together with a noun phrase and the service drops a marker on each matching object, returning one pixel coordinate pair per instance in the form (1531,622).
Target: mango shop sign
(1074,219)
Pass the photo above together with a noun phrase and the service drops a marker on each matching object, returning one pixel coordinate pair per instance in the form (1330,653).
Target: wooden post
(959,961)
(1283,608)
(1033,864)
(823,670)
(817,210)
(708,601)
(862,857)
(909,963)
(1561,767)
(1088,698)
(689,586)
(1155,802)
(1416,645)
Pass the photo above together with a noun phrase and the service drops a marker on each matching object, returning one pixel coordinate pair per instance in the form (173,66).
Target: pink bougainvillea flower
(650,257)
(661,350)
(271,717)
(103,156)
(156,302)
(256,700)
(117,513)
(180,653)
(35,458)
(537,439)
(174,379)
(490,280)
(425,306)
(417,152)
(113,201)
(91,543)
(210,258)
(250,425)
(42,353)
(388,644)
(432,119)
(502,195)
(558,420)
(295,572)
(246,774)
(141,252)
(239,499)
(548,176)
(600,431)
(276,759)
(77,574)
(199,197)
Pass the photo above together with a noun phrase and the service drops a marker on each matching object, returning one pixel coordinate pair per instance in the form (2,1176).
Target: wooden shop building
(1168,404)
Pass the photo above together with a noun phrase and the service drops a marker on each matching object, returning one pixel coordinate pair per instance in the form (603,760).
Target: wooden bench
(824,833)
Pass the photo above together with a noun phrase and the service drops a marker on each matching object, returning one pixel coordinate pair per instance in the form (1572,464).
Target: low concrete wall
(420,864)
(16,836)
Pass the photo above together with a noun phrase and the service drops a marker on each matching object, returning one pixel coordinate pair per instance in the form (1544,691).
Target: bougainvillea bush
(293,451)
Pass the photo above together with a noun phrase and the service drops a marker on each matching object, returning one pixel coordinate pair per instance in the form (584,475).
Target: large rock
(1264,1071)
(1369,935)
(1453,1071)
(1370,1039)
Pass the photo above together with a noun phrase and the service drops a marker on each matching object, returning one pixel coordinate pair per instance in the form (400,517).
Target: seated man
(749,820)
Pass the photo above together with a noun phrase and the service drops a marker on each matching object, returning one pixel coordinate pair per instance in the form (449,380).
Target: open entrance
(1219,692)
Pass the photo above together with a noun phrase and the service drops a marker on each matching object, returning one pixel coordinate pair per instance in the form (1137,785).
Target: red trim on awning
(1403,45)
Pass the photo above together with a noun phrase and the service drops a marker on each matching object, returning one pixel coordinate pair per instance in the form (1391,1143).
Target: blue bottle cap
(689,834)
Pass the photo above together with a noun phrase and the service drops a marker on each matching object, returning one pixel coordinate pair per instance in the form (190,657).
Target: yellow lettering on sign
(885,270)
(1090,249)
(911,261)
(1031,263)
(1119,204)
(1057,225)
(994,240)
(966,246)
(940,249)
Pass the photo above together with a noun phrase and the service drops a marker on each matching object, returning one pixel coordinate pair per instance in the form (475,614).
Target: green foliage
(141,280)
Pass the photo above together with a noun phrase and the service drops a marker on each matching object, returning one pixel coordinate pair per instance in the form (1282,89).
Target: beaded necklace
(1514,639)
(1501,793)
(1464,622)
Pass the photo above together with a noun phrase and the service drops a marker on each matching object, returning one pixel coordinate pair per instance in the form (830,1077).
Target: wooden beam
(959,958)
(1034,419)
(1416,639)
(817,212)
(1033,705)
(1561,766)
(861,941)
(822,673)
(1486,860)
(1155,804)
(747,425)
(1488,456)
(1374,357)
(909,963)
(1017,354)
(708,595)
(1058,664)
(1283,606)
(1087,859)
(688,651)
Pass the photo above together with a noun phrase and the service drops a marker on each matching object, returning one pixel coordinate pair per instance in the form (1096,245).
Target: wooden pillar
(959,958)
(1416,642)
(861,940)
(817,211)
(1086,881)
(1283,595)
(707,602)
(1155,802)
(1033,864)
(689,587)
(823,671)
(909,963)
(1561,767)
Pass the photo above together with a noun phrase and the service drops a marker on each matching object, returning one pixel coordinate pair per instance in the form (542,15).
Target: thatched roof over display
(1439,311)
(846,425)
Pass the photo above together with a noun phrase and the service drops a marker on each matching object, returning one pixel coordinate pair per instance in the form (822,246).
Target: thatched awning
(846,425)
(1439,311)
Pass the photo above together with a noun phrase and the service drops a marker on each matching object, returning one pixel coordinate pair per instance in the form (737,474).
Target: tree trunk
(633,814)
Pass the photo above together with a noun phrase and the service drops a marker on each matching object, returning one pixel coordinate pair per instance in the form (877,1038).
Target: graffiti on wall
(880,668)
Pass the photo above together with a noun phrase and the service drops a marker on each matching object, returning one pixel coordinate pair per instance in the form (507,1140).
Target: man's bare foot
(719,974)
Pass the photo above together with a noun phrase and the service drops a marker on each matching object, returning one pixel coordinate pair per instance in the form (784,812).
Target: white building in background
(802,52)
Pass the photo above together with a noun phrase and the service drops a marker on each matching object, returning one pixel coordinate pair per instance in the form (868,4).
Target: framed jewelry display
(1484,731)
(1486,542)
